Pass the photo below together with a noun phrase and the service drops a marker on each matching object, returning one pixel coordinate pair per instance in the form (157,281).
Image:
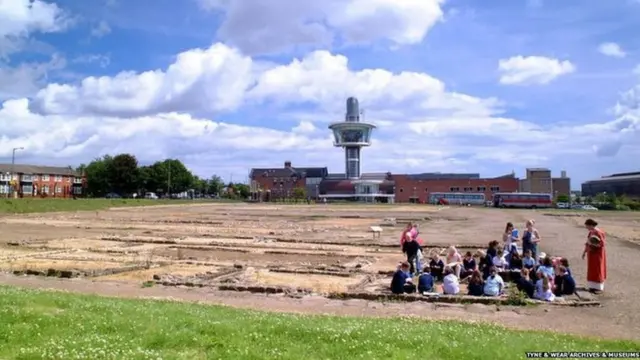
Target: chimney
(563,174)
(287,164)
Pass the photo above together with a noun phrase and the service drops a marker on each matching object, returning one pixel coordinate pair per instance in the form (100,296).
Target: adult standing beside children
(595,252)
(530,239)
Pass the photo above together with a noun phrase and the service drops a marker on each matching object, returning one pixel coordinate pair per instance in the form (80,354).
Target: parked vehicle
(113,196)
(151,195)
(562,205)
(589,208)
(522,200)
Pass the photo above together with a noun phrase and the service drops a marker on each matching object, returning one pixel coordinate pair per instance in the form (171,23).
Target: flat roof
(614,179)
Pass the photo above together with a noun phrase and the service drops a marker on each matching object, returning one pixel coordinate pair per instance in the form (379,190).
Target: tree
(123,174)
(171,173)
(299,193)
(97,173)
(215,185)
(562,198)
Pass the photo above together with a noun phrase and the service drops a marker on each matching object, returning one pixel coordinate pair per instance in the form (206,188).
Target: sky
(488,87)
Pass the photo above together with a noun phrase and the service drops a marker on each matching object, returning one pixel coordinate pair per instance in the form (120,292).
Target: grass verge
(22,206)
(37,324)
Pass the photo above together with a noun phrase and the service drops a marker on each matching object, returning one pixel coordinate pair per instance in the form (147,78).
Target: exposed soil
(53,240)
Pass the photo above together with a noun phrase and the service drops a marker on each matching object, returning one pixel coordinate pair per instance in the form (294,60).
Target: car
(589,208)
(562,205)
(113,196)
(151,195)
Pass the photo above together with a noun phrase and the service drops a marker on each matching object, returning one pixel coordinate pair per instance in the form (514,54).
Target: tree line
(121,174)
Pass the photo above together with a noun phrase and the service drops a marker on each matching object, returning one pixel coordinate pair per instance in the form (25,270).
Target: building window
(27,178)
(68,179)
(4,177)
(495,188)
(4,189)
(401,190)
(58,189)
(77,190)
(454,189)
(58,178)
(468,189)
(45,189)
(482,189)
(45,177)
(27,189)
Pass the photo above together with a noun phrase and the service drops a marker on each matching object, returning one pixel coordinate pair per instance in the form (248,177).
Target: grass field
(55,325)
(21,206)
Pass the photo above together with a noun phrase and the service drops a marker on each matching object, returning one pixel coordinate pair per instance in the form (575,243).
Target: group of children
(540,276)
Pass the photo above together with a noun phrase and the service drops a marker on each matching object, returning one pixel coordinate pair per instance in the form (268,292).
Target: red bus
(522,200)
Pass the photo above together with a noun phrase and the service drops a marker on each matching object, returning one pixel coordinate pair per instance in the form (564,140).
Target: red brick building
(40,181)
(418,188)
(270,184)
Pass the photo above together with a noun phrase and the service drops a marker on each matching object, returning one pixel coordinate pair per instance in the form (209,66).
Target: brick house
(269,184)
(40,181)
(418,188)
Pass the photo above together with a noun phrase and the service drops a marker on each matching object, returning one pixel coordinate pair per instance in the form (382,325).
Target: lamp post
(13,163)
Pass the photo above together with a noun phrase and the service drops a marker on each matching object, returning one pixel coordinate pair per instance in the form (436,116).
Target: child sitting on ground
(528,262)
(525,284)
(543,289)
(515,263)
(546,268)
(565,262)
(401,281)
(437,267)
(468,265)
(476,285)
(565,284)
(450,283)
(499,261)
(425,281)
(494,284)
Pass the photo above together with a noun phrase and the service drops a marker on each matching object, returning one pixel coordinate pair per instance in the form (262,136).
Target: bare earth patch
(325,248)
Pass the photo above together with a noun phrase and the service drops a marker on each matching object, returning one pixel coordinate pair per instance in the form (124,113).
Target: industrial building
(352,134)
(627,184)
(540,180)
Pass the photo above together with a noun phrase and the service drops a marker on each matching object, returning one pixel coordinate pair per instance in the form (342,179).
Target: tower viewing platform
(352,135)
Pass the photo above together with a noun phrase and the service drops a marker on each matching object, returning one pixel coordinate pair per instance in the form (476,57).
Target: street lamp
(13,163)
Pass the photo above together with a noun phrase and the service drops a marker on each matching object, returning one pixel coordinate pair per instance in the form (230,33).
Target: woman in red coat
(595,251)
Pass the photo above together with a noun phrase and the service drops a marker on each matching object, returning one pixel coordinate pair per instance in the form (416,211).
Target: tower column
(352,162)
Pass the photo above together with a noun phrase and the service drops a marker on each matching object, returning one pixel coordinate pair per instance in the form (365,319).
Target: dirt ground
(190,240)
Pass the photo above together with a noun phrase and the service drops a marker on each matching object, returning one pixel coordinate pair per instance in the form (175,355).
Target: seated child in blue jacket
(564,282)
(426,281)
(476,284)
(401,281)
(436,266)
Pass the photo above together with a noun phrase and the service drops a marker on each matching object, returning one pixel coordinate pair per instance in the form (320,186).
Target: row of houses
(18,180)
(278,183)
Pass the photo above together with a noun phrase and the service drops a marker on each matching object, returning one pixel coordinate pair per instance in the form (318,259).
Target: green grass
(55,325)
(22,206)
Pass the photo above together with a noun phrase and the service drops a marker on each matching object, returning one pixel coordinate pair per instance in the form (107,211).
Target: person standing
(530,239)
(411,249)
(595,252)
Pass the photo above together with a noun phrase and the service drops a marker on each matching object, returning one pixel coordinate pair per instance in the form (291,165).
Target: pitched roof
(320,172)
(37,169)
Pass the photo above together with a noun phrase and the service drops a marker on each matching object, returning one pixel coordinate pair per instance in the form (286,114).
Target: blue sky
(452,85)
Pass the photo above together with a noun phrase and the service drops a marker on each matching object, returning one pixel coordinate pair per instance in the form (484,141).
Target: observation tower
(352,135)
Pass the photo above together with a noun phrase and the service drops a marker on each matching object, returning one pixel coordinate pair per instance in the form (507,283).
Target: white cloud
(101,29)
(263,26)
(305,127)
(611,49)
(539,70)
(21,17)
(424,126)
(102,60)
(27,78)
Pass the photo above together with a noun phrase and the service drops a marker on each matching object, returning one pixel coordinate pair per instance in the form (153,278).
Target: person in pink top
(405,231)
